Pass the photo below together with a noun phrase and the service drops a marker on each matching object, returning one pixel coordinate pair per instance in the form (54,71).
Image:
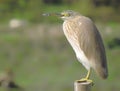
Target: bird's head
(65,15)
(68,14)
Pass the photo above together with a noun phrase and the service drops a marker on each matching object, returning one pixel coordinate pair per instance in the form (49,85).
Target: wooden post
(82,86)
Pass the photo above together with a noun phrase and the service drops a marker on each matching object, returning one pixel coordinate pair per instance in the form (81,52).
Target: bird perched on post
(85,39)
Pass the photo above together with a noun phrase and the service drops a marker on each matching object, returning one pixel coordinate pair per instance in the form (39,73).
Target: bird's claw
(85,80)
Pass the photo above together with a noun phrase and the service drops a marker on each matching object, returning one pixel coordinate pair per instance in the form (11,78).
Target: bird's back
(82,33)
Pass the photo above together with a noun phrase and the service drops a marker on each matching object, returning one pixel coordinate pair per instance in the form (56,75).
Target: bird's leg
(86,79)
(88,74)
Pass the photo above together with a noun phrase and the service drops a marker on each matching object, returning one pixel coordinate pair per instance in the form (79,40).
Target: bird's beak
(53,14)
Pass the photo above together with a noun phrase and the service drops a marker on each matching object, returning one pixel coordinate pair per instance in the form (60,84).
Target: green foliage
(32,11)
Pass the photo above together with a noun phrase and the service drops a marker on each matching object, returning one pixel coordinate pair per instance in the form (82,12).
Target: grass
(42,59)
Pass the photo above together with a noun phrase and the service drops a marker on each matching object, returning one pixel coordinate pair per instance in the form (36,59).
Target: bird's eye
(67,14)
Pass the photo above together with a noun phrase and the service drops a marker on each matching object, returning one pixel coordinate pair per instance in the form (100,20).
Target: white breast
(74,41)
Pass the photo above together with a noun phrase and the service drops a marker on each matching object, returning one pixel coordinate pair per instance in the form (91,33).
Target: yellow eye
(66,14)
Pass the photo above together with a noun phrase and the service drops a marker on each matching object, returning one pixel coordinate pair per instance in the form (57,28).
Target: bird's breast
(73,39)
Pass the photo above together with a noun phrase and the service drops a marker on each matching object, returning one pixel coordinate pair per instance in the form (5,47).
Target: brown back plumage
(93,47)
(91,43)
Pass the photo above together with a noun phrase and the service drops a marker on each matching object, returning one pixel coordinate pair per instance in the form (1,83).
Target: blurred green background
(35,48)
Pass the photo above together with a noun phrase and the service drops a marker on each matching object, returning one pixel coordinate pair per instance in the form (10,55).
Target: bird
(86,41)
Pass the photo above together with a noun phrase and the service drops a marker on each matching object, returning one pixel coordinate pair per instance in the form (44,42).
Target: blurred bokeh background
(37,52)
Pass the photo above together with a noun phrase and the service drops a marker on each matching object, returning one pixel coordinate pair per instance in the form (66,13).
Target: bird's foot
(85,80)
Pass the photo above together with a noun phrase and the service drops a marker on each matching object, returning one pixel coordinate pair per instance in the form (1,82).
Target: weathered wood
(82,86)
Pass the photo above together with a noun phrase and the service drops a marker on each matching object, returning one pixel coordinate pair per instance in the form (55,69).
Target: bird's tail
(102,72)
